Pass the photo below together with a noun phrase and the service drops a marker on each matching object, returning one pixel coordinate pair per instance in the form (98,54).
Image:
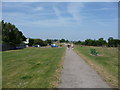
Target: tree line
(12,35)
(100,42)
(37,42)
(46,42)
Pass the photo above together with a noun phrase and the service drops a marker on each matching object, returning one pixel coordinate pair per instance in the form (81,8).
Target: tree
(49,41)
(88,42)
(113,42)
(101,42)
(62,40)
(116,42)
(67,41)
(110,38)
(110,41)
(55,40)
(31,42)
(37,42)
(78,42)
(11,34)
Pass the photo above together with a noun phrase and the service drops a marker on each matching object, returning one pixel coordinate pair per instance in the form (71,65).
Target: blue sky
(69,20)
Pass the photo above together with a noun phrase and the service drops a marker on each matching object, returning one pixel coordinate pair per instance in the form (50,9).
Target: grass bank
(0,70)
(32,67)
(106,64)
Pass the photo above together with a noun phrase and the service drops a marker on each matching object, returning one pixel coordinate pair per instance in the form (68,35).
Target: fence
(4,47)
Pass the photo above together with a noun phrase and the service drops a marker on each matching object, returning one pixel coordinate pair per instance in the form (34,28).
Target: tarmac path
(78,74)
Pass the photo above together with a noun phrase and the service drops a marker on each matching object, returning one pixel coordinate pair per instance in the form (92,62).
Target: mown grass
(31,67)
(106,63)
(0,70)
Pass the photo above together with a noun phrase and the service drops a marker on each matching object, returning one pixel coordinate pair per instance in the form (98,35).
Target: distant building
(26,42)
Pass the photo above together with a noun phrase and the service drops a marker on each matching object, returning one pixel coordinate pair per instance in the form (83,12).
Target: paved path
(78,74)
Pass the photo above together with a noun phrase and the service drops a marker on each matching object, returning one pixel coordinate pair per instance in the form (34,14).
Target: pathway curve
(78,74)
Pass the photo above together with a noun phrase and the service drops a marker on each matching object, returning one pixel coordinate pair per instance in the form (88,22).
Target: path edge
(96,68)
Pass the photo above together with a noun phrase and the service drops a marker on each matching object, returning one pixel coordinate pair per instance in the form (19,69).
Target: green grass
(0,70)
(107,61)
(31,67)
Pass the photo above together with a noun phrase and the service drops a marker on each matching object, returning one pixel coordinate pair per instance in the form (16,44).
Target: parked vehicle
(36,46)
(53,45)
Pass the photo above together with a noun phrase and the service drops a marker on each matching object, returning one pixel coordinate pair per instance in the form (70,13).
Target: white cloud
(75,9)
(25,11)
(58,14)
(39,8)
(27,21)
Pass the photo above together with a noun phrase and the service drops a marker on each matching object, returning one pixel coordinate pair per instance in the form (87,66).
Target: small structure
(72,46)
(26,42)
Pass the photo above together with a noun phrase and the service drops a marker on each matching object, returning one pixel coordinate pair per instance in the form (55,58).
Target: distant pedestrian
(72,46)
(68,45)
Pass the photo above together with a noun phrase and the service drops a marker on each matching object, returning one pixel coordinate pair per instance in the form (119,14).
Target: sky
(68,20)
(60,0)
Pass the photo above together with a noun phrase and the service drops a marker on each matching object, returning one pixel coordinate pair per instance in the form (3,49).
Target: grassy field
(106,64)
(32,67)
(0,70)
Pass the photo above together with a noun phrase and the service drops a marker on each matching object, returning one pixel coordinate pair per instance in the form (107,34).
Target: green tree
(113,42)
(78,42)
(40,42)
(55,40)
(62,40)
(49,41)
(31,42)
(101,42)
(67,41)
(11,34)
(88,42)
(110,41)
